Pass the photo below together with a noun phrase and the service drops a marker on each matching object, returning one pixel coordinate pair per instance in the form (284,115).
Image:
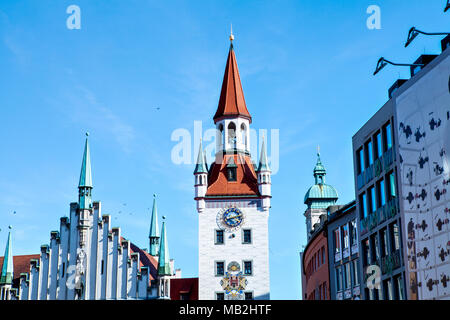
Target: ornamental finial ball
(87,134)
(164,217)
(10,227)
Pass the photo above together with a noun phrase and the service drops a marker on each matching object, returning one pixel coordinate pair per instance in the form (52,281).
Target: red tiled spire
(232,102)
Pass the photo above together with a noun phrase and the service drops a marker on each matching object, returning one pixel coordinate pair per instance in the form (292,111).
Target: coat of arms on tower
(234,282)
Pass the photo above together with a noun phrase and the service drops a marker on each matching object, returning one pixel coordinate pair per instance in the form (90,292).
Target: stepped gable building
(233,202)
(89,259)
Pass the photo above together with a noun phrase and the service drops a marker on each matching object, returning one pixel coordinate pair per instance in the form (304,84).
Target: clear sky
(306,69)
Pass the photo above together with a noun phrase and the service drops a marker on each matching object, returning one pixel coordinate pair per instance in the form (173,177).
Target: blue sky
(306,69)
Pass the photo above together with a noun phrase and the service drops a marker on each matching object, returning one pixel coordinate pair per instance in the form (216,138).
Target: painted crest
(234,283)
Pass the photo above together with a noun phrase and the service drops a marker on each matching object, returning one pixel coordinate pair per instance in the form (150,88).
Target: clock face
(230,219)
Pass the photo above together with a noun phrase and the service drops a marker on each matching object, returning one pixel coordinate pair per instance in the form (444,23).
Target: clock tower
(233,201)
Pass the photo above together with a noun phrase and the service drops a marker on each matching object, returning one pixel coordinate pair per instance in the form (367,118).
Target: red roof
(21,265)
(245,184)
(231,102)
(188,287)
(145,260)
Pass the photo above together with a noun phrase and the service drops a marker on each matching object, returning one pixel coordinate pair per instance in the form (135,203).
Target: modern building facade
(233,201)
(343,252)
(401,176)
(377,205)
(422,110)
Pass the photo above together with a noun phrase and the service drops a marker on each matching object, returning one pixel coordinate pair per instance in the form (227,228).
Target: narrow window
(220,268)
(102,266)
(220,296)
(248,268)
(219,236)
(248,295)
(345,236)
(247,236)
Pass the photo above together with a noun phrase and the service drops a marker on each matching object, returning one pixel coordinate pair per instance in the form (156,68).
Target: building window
(103,263)
(387,136)
(247,236)
(232,134)
(369,153)
(375,248)
(220,270)
(381,193)
(248,295)
(372,199)
(347,276)
(388,290)
(363,205)
(325,291)
(248,271)
(392,184)
(360,159)
(338,279)
(184,296)
(323,255)
(219,237)
(220,296)
(384,242)
(231,174)
(337,241)
(345,235)
(395,236)
(354,232)
(398,282)
(366,251)
(355,273)
(379,145)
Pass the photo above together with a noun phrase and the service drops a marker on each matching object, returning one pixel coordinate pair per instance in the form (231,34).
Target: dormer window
(231,170)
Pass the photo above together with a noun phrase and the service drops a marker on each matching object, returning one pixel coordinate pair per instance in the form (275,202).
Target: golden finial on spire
(231,34)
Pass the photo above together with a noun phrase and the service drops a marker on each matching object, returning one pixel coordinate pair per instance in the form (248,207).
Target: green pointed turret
(164,259)
(263,162)
(85,184)
(8,266)
(200,166)
(319,171)
(154,230)
(320,195)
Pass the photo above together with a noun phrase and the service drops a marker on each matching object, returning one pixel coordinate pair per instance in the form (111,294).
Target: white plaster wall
(234,250)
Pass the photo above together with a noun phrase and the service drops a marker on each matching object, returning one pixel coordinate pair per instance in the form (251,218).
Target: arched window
(232,134)
(244,135)
(220,134)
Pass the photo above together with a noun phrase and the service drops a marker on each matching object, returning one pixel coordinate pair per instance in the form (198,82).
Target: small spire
(6,276)
(319,169)
(164,259)
(263,162)
(85,183)
(85,175)
(154,230)
(200,166)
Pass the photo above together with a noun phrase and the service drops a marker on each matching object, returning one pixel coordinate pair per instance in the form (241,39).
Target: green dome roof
(320,195)
(321,191)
